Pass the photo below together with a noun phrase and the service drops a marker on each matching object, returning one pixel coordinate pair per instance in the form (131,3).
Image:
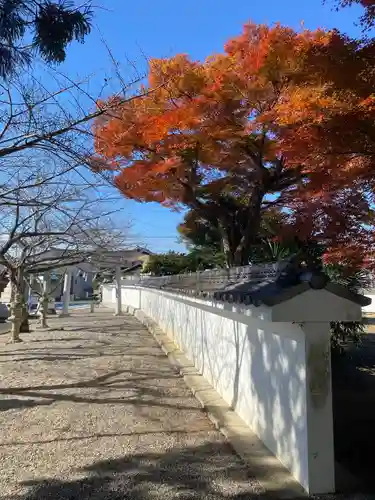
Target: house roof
(132,268)
(110,258)
(98,258)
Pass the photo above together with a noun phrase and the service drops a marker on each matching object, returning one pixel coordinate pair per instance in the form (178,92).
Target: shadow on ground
(19,404)
(209,472)
(139,383)
(185,474)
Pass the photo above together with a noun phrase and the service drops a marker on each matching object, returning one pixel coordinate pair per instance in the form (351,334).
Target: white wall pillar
(47,286)
(44,299)
(66,292)
(27,292)
(30,291)
(320,436)
(46,279)
(118,309)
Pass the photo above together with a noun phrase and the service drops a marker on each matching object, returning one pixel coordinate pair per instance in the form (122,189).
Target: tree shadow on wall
(275,389)
(254,369)
(261,370)
(258,370)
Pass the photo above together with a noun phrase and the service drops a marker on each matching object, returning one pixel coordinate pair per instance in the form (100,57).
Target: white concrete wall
(257,366)
(371,307)
(109,295)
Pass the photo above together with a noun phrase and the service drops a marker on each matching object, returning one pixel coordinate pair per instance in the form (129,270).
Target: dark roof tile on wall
(255,285)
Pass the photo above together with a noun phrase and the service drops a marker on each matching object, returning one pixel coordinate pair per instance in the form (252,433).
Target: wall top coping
(268,284)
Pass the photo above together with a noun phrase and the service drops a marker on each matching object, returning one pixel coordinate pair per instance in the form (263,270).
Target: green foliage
(177,263)
(52,26)
(274,250)
(163,264)
(200,259)
(270,251)
(198,232)
(96,284)
(355,281)
(205,234)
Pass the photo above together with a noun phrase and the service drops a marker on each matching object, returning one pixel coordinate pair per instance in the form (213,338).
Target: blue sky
(137,30)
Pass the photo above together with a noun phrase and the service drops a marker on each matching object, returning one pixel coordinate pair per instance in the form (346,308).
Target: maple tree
(260,126)
(327,129)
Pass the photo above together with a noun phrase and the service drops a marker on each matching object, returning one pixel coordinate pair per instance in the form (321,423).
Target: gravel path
(95,411)
(4,328)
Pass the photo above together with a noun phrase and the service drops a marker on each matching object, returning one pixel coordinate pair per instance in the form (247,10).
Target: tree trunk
(16,311)
(43,310)
(240,255)
(251,229)
(44,300)
(226,248)
(25,327)
(230,237)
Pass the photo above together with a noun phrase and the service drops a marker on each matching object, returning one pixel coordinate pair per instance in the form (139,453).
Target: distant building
(131,262)
(83,274)
(126,258)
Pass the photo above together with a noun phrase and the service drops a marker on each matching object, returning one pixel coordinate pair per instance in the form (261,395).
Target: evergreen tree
(51,26)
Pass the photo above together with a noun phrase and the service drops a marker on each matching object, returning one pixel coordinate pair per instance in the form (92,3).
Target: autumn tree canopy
(279,119)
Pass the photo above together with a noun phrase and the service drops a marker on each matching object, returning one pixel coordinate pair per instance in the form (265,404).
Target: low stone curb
(268,470)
